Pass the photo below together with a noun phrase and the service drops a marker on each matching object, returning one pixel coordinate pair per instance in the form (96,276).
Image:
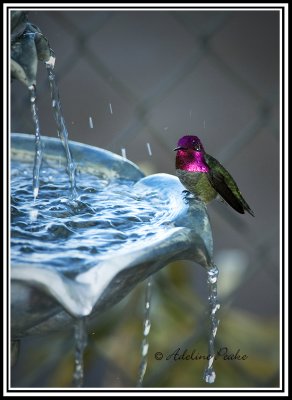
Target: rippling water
(57,231)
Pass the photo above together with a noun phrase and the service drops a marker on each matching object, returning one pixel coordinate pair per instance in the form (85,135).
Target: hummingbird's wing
(224,184)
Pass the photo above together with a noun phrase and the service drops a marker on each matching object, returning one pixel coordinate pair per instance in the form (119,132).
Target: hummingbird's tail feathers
(248,209)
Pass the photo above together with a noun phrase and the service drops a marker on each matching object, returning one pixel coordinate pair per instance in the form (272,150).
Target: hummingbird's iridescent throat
(190,155)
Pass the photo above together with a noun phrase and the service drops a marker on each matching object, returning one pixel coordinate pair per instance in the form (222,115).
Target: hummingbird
(205,177)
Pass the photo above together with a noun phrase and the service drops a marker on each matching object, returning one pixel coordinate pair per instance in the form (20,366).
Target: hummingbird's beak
(179,148)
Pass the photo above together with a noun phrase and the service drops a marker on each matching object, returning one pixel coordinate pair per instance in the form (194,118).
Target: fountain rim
(94,155)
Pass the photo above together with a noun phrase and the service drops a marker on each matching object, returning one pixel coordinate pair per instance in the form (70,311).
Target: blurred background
(151,77)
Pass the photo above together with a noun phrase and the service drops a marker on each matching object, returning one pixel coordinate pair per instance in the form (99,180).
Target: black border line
(283,196)
(143,8)
(60,391)
(7,208)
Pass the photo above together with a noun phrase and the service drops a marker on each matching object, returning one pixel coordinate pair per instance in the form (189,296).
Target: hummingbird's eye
(197,146)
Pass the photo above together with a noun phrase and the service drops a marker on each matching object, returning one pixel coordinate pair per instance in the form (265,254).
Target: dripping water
(38,145)
(80,334)
(209,374)
(61,127)
(149,149)
(146,330)
(124,154)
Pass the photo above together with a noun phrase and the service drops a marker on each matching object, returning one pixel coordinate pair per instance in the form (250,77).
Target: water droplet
(110,107)
(149,149)
(147,327)
(90,123)
(145,349)
(210,376)
(123,150)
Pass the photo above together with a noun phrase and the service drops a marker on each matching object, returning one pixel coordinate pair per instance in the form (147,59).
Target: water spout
(28,46)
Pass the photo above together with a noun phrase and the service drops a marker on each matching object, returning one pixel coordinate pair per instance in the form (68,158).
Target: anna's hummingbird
(204,176)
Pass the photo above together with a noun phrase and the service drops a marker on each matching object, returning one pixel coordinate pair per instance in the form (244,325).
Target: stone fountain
(61,267)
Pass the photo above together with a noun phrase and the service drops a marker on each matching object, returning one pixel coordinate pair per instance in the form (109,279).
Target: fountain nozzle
(28,45)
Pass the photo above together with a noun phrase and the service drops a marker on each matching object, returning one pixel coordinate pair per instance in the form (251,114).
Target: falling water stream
(61,127)
(62,130)
(80,345)
(212,276)
(38,144)
(146,330)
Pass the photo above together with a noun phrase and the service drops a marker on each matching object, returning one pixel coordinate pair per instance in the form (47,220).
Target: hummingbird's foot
(219,198)
(187,195)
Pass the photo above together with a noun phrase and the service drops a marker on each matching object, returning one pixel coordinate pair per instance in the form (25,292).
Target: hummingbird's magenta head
(189,142)
(190,154)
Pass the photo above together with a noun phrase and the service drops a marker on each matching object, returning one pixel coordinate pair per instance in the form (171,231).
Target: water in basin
(56,231)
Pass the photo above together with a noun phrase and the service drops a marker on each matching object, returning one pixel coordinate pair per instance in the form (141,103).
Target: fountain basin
(79,258)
